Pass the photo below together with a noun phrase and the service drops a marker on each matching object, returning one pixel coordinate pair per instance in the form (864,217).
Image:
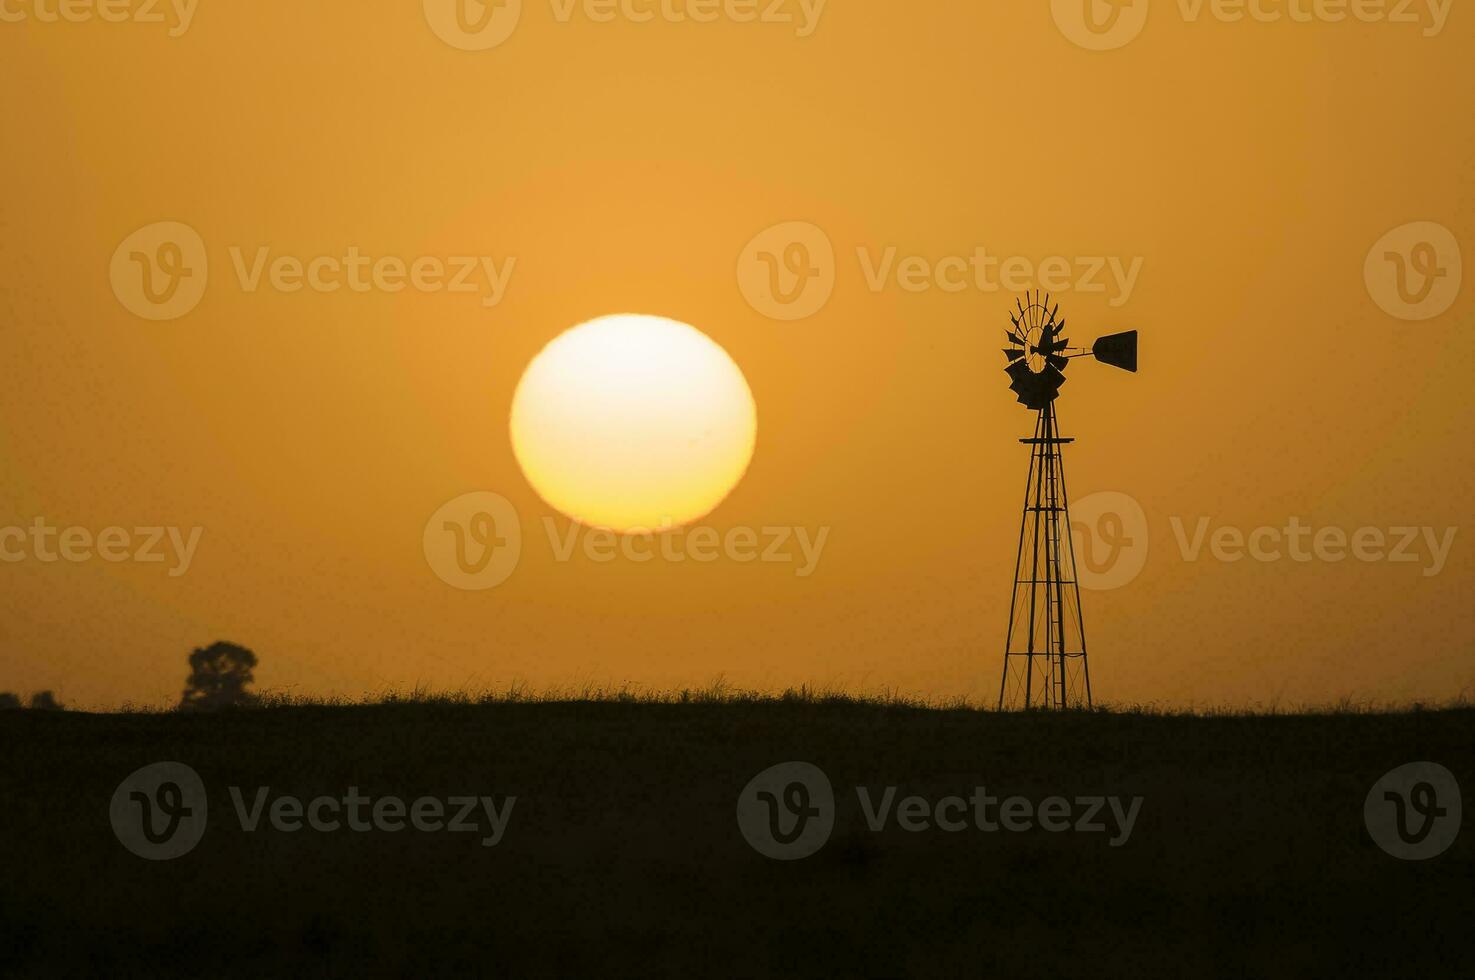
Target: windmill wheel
(1036,367)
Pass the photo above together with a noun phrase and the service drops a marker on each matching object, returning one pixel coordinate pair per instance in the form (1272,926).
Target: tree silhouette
(218,678)
(8,700)
(45,701)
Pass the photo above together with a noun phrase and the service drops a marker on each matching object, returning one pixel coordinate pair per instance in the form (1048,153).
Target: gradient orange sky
(625,166)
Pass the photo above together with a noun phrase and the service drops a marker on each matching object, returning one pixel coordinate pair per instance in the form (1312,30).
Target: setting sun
(633,422)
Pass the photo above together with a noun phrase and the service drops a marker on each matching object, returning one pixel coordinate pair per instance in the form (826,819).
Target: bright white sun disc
(633,422)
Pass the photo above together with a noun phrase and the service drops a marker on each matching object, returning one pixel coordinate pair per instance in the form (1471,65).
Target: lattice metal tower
(1045,649)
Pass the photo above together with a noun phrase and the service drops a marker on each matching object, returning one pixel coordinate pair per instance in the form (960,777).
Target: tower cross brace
(1045,649)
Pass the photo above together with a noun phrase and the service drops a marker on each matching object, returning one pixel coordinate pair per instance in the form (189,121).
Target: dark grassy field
(623,855)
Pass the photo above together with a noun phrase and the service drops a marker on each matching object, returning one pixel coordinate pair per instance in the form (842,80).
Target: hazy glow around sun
(633,422)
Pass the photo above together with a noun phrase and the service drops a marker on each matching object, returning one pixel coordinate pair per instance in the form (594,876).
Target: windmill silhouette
(1045,649)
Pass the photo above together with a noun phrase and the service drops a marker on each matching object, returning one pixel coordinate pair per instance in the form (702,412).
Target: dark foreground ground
(1249,857)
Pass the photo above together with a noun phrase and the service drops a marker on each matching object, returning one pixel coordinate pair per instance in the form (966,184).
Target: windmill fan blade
(1013,354)
(1057,362)
(1034,390)
(1043,345)
(1118,350)
(1028,394)
(1021,381)
(1014,337)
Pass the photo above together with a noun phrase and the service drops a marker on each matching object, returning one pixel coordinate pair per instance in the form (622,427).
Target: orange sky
(1245,169)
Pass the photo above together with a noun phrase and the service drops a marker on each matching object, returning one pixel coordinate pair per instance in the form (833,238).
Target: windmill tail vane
(1045,662)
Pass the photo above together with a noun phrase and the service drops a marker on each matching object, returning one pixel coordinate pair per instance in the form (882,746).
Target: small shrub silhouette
(8,701)
(45,701)
(219,676)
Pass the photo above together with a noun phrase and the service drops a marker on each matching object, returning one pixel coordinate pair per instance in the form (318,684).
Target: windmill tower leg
(1045,648)
(1083,682)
